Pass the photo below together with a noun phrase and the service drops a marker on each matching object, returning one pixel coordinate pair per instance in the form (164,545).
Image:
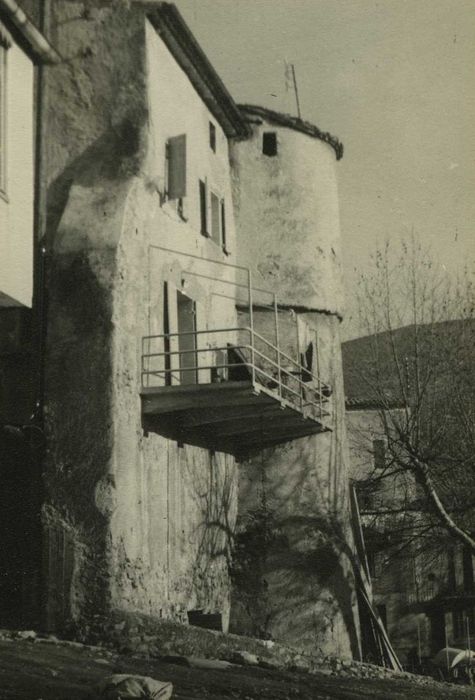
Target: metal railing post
(251,323)
(317,356)
(276,314)
(299,361)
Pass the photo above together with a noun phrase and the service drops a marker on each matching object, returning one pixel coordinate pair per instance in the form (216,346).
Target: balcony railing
(441,593)
(225,354)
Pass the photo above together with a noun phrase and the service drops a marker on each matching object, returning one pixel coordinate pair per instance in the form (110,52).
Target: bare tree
(416,366)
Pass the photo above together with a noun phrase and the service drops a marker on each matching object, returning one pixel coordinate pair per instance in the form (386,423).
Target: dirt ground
(37,670)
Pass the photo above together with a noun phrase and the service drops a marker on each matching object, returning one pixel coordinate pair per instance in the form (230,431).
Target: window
(366,491)
(203,208)
(212,137)
(269,143)
(379,454)
(306,361)
(383,615)
(176,167)
(375,563)
(467,568)
(212,216)
(451,575)
(458,623)
(3,115)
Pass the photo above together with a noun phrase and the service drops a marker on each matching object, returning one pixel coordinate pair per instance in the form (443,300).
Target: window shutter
(176,154)
(203,208)
(215,226)
(223,225)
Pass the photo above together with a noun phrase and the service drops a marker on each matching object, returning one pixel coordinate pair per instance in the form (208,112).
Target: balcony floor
(236,417)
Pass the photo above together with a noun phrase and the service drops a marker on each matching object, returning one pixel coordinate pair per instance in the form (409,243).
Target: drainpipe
(40,295)
(39,249)
(39,44)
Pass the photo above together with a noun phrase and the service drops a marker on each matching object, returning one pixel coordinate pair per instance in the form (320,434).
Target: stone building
(191,378)
(24,51)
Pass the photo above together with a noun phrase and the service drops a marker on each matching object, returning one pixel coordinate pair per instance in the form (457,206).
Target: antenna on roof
(291,82)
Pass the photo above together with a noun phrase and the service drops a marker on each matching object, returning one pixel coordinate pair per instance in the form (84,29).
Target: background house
(422,579)
(24,51)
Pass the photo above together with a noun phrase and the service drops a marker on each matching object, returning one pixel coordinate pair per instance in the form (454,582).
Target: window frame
(379,453)
(206,196)
(203,195)
(266,151)
(176,145)
(212,136)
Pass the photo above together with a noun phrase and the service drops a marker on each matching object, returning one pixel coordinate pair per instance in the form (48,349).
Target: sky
(394,80)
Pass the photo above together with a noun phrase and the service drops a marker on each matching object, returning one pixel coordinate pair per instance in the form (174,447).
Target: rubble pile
(207,649)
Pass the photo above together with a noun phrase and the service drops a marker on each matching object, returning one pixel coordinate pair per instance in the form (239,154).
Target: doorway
(186,311)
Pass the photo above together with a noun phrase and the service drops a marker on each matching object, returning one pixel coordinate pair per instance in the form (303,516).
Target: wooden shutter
(176,155)
(223,226)
(203,208)
(215,224)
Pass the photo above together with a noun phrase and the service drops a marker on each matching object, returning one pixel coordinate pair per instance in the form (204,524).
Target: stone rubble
(219,651)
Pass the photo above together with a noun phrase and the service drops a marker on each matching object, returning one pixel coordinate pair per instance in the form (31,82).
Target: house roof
(369,403)
(191,58)
(27,33)
(363,356)
(295,123)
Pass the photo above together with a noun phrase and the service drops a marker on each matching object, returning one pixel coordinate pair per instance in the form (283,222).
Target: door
(186,311)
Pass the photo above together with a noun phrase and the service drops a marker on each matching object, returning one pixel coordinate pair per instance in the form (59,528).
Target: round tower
(286,208)
(295,582)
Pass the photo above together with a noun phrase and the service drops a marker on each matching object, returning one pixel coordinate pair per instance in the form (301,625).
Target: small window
(203,209)
(212,137)
(467,569)
(379,454)
(375,563)
(176,167)
(383,614)
(269,143)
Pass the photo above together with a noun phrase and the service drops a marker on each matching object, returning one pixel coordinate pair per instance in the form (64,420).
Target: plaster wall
(293,580)
(288,218)
(174,506)
(146,522)
(295,584)
(16,201)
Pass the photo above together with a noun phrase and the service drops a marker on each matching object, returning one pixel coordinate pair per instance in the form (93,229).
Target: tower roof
(295,123)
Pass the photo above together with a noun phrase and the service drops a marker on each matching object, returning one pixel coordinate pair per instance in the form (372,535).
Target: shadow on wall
(215,498)
(293,562)
(114,157)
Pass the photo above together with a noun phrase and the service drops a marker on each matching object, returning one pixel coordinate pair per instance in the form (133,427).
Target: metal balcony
(229,390)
